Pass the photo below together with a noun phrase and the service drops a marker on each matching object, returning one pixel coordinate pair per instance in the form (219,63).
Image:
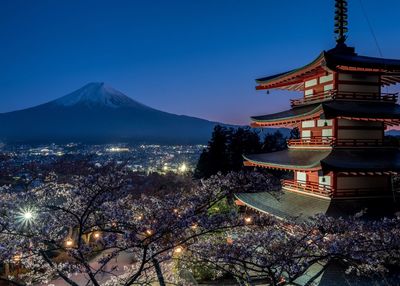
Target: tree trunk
(158,271)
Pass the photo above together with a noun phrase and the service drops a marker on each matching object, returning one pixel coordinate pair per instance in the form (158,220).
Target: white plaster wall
(308,124)
(326,78)
(311,82)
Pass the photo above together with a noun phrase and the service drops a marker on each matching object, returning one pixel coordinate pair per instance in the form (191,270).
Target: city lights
(118,149)
(183,168)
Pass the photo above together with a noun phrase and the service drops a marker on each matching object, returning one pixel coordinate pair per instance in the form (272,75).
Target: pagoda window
(326,78)
(324,180)
(309,92)
(328,87)
(305,134)
(308,124)
(327,133)
(301,177)
(311,82)
(323,123)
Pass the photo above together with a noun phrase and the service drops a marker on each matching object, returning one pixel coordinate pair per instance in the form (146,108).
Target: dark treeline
(227,146)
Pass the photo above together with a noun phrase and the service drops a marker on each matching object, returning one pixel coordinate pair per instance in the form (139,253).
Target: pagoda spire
(341,21)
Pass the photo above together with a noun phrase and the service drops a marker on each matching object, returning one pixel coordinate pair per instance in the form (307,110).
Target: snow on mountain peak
(97,94)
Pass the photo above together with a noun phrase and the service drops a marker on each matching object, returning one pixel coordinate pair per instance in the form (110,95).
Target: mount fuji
(98,113)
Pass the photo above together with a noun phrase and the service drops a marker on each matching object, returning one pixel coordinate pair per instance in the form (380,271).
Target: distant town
(146,158)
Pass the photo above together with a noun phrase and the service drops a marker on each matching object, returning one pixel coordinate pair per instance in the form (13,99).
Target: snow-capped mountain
(97,94)
(95,113)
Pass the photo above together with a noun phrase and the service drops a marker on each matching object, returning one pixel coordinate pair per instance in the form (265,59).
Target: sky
(197,57)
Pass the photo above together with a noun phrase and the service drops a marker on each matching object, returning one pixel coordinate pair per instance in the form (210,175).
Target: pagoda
(341,154)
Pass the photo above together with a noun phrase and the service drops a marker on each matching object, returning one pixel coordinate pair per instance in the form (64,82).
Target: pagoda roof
(341,59)
(289,116)
(337,159)
(300,207)
(362,110)
(289,159)
(362,160)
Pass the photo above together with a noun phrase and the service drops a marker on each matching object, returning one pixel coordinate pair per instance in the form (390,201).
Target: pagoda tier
(298,207)
(334,62)
(364,161)
(388,113)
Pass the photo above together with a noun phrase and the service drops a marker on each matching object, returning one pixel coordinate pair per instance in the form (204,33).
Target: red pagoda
(342,154)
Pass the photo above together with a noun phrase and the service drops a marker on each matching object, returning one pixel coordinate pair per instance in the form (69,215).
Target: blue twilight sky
(194,57)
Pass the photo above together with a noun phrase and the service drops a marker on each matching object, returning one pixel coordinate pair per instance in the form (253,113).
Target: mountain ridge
(97,112)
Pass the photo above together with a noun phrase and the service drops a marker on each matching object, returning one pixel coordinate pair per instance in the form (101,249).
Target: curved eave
(300,207)
(289,160)
(292,80)
(252,163)
(362,160)
(287,118)
(333,60)
(285,205)
(388,113)
(388,69)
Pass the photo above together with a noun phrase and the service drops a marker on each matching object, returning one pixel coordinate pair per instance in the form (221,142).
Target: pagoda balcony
(307,187)
(342,95)
(311,142)
(334,142)
(328,192)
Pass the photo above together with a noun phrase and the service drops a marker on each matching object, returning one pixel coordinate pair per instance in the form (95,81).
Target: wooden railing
(312,141)
(308,187)
(328,191)
(330,141)
(317,97)
(342,95)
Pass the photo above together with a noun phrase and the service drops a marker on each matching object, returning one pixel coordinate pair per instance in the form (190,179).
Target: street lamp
(26,216)
(248,219)
(178,249)
(69,242)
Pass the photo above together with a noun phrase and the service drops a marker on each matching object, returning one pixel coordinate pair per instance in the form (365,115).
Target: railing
(308,187)
(330,141)
(343,95)
(363,143)
(312,141)
(328,191)
(317,97)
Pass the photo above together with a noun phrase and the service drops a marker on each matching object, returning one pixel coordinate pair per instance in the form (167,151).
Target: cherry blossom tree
(82,224)
(88,225)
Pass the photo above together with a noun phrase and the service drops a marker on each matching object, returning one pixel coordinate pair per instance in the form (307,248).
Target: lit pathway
(123,260)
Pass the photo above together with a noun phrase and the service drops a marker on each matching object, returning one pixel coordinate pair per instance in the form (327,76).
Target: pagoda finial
(341,21)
